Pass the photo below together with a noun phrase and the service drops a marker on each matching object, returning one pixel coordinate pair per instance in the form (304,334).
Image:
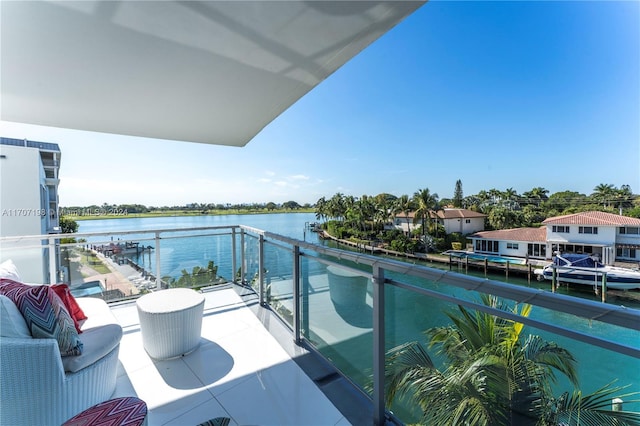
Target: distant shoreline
(126,215)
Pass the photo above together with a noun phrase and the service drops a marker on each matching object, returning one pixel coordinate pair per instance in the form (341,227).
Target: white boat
(581,269)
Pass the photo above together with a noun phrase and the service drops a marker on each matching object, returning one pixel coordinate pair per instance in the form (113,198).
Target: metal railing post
(157,249)
(304,297)
(378,345)
(52,261)
(261,269)
(296,294)
(234,260)
(243,258)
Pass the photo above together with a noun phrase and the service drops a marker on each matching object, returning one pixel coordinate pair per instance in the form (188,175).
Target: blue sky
(496,94)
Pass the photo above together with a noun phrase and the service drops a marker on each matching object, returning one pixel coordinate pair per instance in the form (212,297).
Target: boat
(123,249)
(588,270)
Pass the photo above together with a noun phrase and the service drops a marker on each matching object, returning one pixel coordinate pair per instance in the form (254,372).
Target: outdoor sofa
(39,386)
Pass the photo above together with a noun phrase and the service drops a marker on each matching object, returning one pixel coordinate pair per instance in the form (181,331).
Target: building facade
(462,221)
(609,236)
(29,199)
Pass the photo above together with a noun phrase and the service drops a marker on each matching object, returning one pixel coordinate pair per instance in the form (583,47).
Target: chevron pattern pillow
(45,314)
(125,411)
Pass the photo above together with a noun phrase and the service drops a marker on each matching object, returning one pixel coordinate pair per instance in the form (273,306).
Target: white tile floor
(239,371)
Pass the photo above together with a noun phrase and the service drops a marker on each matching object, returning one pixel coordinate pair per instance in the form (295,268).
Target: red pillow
(62,290)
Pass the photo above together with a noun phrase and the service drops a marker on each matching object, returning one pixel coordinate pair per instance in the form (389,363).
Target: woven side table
(128,411)
(170,322)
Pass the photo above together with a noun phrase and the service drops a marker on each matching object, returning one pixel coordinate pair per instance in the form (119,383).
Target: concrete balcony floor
(239,370)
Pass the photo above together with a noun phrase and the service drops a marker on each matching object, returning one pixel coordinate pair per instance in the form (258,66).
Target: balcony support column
(378,345)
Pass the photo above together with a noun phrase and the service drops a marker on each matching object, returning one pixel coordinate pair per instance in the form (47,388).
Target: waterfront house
(518,242)
(610,236)
(462,221)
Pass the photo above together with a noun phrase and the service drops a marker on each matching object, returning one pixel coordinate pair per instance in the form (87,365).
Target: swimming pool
(490,258)
(87,289)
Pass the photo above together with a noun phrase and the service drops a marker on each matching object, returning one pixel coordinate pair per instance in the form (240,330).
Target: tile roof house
(462,221)
(610,236)
(454,220)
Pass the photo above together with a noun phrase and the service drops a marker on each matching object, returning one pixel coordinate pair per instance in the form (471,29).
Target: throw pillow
(44,313)
(77,315)
(9,270)
(11,321)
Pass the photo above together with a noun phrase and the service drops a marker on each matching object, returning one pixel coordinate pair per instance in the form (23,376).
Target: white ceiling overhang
(201,71)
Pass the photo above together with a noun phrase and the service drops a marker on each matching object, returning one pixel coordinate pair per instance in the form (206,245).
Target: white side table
(170,322)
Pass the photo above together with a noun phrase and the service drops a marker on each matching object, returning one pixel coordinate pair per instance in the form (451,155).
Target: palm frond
(551,355)
(595,408)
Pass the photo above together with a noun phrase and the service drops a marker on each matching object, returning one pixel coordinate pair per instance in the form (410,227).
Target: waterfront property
(462,221)
(299,333)
(611,237)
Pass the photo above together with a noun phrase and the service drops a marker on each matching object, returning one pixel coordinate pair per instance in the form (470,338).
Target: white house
(517,242)
(610,236)
(454,220)
(29,202)
(462,221)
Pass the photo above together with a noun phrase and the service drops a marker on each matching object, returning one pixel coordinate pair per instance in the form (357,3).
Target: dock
(463,264)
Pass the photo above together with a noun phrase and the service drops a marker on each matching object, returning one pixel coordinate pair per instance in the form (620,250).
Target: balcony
(296,333)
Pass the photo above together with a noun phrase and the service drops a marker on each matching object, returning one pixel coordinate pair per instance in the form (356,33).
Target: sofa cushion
(97,342)
(9,270)
(44,314)
(77,315)
(98,312)
(11,320)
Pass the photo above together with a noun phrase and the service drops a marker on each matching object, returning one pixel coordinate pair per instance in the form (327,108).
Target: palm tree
(537,194)
(510,198)
(321,209)
(494,376)
(604,193)
(424,202)
(404,205)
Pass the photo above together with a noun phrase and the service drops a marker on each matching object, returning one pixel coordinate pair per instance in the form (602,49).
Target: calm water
(408,323)
(179,254)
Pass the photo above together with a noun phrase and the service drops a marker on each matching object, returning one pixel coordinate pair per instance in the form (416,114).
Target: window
(487,245)
(537,250)
(587,230)
(632,230)
(629,253)
(560,229)
(467,221)
(512,246)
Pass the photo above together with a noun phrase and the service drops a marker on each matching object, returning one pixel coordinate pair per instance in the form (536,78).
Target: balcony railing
(349,307)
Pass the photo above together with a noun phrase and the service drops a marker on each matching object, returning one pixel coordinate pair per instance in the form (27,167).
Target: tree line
(199,208)
(364,217)
(505,209)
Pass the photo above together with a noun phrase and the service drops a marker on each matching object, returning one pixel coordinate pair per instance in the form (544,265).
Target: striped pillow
(45,314)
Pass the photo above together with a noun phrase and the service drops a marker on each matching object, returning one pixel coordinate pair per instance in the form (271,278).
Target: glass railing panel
(107,267)
(31,258)
(116,266)
(337,316)
(412,318)
(278,280)
(194,261)
(91,273)
(249,254)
